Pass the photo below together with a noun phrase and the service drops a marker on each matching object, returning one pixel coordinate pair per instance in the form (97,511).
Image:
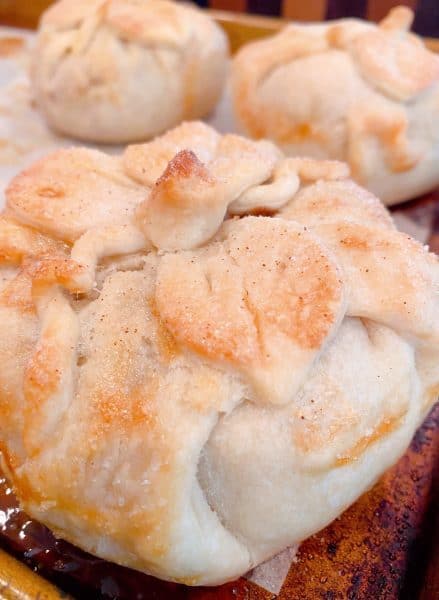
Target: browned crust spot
(10,45)
(384,428)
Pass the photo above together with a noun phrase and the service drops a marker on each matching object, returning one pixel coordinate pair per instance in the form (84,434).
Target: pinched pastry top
(348,90)
(185,391)
(125,70)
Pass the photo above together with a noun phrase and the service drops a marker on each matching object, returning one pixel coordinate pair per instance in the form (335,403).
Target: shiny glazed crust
(212,356)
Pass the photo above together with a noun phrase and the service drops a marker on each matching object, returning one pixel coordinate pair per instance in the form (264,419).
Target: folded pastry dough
(125,70)
(348,90)
(185,391)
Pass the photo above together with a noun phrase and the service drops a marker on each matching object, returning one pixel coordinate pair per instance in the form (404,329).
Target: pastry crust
(71,190)
(118,71)
(188,404)
(347,90)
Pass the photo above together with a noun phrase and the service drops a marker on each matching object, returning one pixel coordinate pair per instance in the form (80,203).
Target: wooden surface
(299,10)
(241,28)
(17,582)
(22,13)
(382,548)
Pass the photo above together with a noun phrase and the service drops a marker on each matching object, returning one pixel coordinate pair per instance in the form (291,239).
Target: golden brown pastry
(125,70)
(348,90)
(188,392)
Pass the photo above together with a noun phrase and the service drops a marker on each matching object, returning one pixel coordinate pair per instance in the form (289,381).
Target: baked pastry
(190,405)
(347,90)
(118,71)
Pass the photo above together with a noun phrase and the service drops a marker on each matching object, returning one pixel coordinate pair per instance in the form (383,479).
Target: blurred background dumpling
(348,90)
(125,70)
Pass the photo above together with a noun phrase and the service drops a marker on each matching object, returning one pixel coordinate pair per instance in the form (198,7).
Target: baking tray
(385,547)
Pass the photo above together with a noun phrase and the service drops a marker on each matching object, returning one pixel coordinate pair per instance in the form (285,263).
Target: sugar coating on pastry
(347,90)
(118,71)
(71,190)
(210,356)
